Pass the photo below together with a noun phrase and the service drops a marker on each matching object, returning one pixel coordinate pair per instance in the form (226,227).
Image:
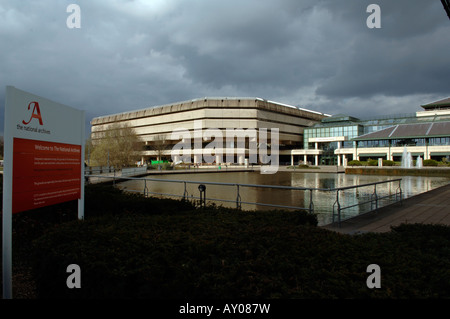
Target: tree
(119,147)
(159,144)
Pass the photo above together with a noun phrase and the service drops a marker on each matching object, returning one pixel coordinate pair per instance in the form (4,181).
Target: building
(155,125)
(341,138)
(305,136)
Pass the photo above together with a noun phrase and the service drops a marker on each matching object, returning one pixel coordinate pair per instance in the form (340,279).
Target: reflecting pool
(252,198)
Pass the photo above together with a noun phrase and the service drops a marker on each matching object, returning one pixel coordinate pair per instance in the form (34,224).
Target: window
(375,143)
(439,141)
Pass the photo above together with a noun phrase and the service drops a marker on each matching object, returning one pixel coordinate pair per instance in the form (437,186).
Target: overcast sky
(316,54)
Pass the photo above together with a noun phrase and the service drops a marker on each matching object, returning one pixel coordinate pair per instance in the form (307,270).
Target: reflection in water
(323,200)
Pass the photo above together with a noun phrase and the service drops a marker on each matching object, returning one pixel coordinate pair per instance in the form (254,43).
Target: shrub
(226,254)
(430,162)
(218,253)
(372,162)
(354,163)
(388,163)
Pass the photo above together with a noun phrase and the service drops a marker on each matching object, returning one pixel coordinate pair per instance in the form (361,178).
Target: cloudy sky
(317,54)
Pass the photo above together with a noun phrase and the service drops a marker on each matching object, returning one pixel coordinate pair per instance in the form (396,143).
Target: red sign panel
(44,173)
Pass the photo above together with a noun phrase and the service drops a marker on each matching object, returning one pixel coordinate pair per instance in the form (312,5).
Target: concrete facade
(158,123)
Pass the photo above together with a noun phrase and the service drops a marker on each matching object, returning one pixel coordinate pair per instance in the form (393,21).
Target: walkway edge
(355,224)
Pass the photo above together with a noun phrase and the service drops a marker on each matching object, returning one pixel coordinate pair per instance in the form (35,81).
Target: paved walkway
(432,207)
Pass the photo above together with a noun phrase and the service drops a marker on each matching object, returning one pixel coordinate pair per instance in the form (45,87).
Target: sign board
(44,173)
(43,160)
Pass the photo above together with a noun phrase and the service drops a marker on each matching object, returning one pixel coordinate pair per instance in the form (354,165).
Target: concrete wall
(220,113)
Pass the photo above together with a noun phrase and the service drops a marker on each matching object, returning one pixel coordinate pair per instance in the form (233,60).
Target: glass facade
(349,131)
(376,143)
(408,142)
(402,127)
(439,141)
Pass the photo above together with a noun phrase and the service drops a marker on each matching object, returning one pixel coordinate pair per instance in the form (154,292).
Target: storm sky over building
(316,54)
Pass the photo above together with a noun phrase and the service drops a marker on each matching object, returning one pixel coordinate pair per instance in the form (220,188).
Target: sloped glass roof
(409,131)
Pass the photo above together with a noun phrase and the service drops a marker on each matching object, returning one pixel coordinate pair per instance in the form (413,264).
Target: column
(338,155)
(305,159)
(316,160)
(292,160)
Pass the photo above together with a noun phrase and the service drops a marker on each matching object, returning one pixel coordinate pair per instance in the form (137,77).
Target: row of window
(332,145)
(435,141)
(349,131)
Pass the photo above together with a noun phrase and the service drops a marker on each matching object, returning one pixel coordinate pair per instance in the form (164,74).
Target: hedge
(223,253)
(355,163)
(388,163)
(238,256)
(372,162)
(430,162)
(135,247)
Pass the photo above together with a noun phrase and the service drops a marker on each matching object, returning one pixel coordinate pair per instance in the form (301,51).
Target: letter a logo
(35,114)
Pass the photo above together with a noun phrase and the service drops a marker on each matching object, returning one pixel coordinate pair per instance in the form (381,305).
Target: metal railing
(374,200)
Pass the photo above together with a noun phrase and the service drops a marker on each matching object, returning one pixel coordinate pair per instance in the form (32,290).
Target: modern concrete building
(305,136)
(341,138)
(155,125)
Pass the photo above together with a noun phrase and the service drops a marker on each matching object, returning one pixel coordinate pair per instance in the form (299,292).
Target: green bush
(136,247)
(211,253)
(107,200)
(372,162)
(388,163)
(224,254)
(430,162)
(354,163)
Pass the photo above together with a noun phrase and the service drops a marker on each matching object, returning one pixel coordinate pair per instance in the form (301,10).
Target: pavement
(432,207)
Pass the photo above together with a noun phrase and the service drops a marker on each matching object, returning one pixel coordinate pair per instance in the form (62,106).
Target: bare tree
(159,144)
(119,147)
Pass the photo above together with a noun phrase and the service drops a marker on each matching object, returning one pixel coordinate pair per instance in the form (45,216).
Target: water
(419,162)
(406,159)
(323,201)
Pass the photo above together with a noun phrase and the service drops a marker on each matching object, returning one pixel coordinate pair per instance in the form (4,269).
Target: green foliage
(135,247)
(195,253)
(355,163)
(430,162)
(388,163)
(163,166)
(225,254)
(372,162)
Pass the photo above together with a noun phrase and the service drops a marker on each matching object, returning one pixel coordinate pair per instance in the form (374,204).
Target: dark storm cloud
(317,54)
(406,56)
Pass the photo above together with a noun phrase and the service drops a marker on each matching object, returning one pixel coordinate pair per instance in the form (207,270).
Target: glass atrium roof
(432,129)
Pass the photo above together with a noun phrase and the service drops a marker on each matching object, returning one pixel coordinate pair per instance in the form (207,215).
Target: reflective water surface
(322,201)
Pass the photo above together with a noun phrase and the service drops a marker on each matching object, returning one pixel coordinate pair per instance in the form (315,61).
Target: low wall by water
(397,171)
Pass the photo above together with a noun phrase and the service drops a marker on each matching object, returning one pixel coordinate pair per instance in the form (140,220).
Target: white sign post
(43,161)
